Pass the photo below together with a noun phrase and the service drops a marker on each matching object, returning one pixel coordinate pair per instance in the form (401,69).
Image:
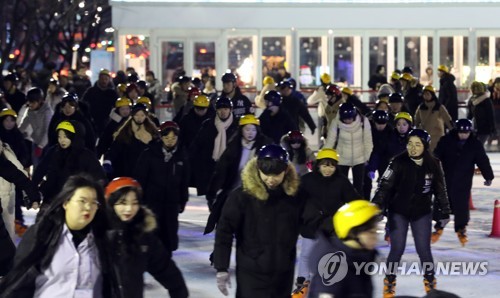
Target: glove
(312,130)
(38,151)
(108,168)
(223,282)
(487,182)
(371,174)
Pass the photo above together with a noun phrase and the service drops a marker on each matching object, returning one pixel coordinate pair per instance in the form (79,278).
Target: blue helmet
(223,102)
(69,97)
(273,97)
(273,151)
(463,125)
(347,110)
(380,117)
(286,83)
(424,136)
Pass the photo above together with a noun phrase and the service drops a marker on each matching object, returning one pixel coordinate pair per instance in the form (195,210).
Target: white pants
(305,250)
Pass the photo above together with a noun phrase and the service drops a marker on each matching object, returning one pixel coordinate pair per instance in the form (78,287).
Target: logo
(332,268)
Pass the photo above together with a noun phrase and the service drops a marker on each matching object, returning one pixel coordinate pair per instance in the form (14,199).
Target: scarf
(167,154)
(477,99)
(221,138)
(141,133)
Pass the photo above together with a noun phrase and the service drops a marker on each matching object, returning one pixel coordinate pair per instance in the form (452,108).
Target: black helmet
(69,97)
(380,117)
(196,81)
(396,97)
(35,94)
(273,97)
(273,151)
(142,84)
(223,102)
(183,79)
(407,69)
(139,107)
(347,110)
(11,77)
(228,77)
(424,136)
(293,83)
(132,78)
(463,125)
(286,83)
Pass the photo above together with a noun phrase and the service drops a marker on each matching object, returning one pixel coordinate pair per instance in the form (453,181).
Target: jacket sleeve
(185,182)
(141,171)
(229,223)
(490,116)
(367,139)
(331,138)
(219,176)
(440,193)
(446,117)
(386,185)
(13,175)
(483,162)
(306,116)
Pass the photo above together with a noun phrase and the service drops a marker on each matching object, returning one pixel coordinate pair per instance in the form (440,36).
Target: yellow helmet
(443,68)
(249,119)
(328,153)
(123,102)
(122,87)
(429,88)
(347,91)
(353,214)
(395,76)
(201,101)
(8,112)
(268,80)
(403,115)
(144,100)
(66,125)
(407,77)
(326,78)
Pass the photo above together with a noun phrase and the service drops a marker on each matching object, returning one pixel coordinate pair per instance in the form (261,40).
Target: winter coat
(106,138)
(241,104)
(413,96)
(375,79)
(130,259)
(300,167)
(407,189)
(156,91)
(53,99)
(88,134)
(297,109)
(458,162)
(15,99)
(165,186)
(353,142)
(265,224)
(352,285)
(101,102)
(362,107)
(480,109)
(396,143)
(39,121)
(58,164)
(381,153)
(180,97)
(433,117)
(448,94)
(227,175)
(191,124)
(200,153)
(123,156)
(318,97)
(259,99)
(16,141)
(323,197)
(276,126)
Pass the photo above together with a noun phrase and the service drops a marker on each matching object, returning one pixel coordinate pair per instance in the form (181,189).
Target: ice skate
(20,228)
(436,235)
(429,285)
(389,287)
(462,237)
(302,287)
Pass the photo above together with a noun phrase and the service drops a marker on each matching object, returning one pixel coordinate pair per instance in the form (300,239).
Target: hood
(448,77)
(149,223)
(286,145)
(253,185)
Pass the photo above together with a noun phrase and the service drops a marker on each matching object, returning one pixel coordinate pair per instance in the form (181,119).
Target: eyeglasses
(91,204)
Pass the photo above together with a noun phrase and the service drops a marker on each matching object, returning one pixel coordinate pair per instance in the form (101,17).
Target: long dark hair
(125,133)
(48,228)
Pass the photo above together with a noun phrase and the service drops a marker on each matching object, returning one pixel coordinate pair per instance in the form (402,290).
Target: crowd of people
(110,180)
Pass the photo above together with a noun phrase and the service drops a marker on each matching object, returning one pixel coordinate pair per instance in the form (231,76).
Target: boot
(20,228)
(302,287)
(436,235)
(429,283)
(462,236)
(389,287)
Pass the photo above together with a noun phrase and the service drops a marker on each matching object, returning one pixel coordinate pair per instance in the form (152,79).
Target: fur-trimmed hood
(253,185)
(149,224)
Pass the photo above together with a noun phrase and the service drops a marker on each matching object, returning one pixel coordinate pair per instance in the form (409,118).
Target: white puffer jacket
(354,142)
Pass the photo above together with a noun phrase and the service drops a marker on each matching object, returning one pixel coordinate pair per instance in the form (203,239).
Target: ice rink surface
(192,255)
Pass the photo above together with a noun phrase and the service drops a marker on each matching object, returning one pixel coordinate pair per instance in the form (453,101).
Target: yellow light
(11,56)
(203,51)
(110,49)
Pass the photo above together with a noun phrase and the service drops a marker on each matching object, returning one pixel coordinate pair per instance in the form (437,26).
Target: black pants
(358,176)
(8,250)
(459,203)
(168,226)
(250,284)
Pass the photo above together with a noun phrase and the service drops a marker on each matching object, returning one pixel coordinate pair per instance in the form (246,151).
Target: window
(240,59)
(274,57)
(204,59)
(310,61)
(172,59)
(343,59)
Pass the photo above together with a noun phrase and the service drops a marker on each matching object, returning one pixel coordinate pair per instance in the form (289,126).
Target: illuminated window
(274,57)
(172,59)
(310,61)
(204,59)
(240,59)
(344,59)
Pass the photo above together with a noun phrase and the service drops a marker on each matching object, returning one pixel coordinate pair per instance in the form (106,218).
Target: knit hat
(385,90)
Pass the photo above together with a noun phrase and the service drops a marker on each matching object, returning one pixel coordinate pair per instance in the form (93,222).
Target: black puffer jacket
(448,95)
(407,189)
(191,124)
(297,109)
(482,112)
(276,126)
(264,223)
(241,104)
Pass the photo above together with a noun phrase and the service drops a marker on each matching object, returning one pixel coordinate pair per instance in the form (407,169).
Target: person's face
(52,88)
(249,132)
(286,91)
(63,139)
(462,136)
(126,207)
(295,145)
(7,85)
(272,181)
(429,71)
(104,80)
(282,72)
(133,94)
(170,140)
(228,87)
(124,111)
(497,85)
(81,208)
(200,111)
(382,70)
(139,117)
(383,107)
(327,170)
(348,120)
(415,147)
(402,126)
(223,113)
(68,109)
(440,73)
(427,96)
(396,107)
(9,123)
(274,109)
(34,105)
(149,78)
(368,239)
(380,127)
